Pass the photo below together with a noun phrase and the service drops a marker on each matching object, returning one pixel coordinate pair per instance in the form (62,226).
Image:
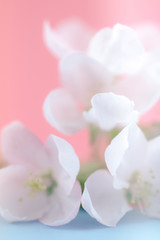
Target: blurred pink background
(28,71)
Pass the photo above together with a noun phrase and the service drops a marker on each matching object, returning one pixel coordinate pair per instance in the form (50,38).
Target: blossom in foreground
(40,180)
(133,180)
(116,62)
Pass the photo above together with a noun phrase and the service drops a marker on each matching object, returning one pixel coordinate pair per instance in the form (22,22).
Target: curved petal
(53,41)
(110,110)
(99,44)
(142,88)
(102,201)
(63,208)
(83,77)
(16,201)
(76,33)
(20,146)
(118,48)
(126,154)
(65,162)
(69,36)
(62,112)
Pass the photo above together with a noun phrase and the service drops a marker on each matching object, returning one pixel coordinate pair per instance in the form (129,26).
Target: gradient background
(28,72)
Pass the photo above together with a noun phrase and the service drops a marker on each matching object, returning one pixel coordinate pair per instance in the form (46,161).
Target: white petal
(119,49)
(69,36)
(102,201)
(53,41)
(154,209)
(83,77)
(63,208)
(16,202)
(76,33)
(126,154)
(110,110)
(99,44)
(143,87)
(62,112)
(20,146)
(65,162)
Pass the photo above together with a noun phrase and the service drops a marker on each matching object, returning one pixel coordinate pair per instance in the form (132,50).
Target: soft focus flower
(133,180)
(115,62)
(40,180)
(70,36)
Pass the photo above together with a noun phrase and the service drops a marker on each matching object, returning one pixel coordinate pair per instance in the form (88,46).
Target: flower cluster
(114,82)
(110,79)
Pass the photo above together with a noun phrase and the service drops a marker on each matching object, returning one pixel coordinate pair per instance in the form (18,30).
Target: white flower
(117,63)
(133,182)
(70,36)
(40,180)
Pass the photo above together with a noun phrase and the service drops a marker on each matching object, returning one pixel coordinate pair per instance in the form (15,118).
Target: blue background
(132,226)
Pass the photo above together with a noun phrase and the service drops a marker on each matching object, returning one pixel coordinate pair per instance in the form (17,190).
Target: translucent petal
(142,87)
(65,163)
(126,154)
(62,112)
(53,41)
(75,33)
(119,49)
(69,36)
(20,146)
(83,77)
(102,201)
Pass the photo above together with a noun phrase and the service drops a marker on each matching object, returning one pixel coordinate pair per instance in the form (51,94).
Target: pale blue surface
(132,227)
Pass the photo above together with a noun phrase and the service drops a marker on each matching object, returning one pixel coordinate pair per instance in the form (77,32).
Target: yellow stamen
(44,182)
(141,191)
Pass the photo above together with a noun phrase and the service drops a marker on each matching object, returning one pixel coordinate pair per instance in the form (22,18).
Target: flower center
(140,191)
(44,182)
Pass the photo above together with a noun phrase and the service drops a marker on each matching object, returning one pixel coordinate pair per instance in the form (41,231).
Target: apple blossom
(117,63)
(40,180)
(132,182)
